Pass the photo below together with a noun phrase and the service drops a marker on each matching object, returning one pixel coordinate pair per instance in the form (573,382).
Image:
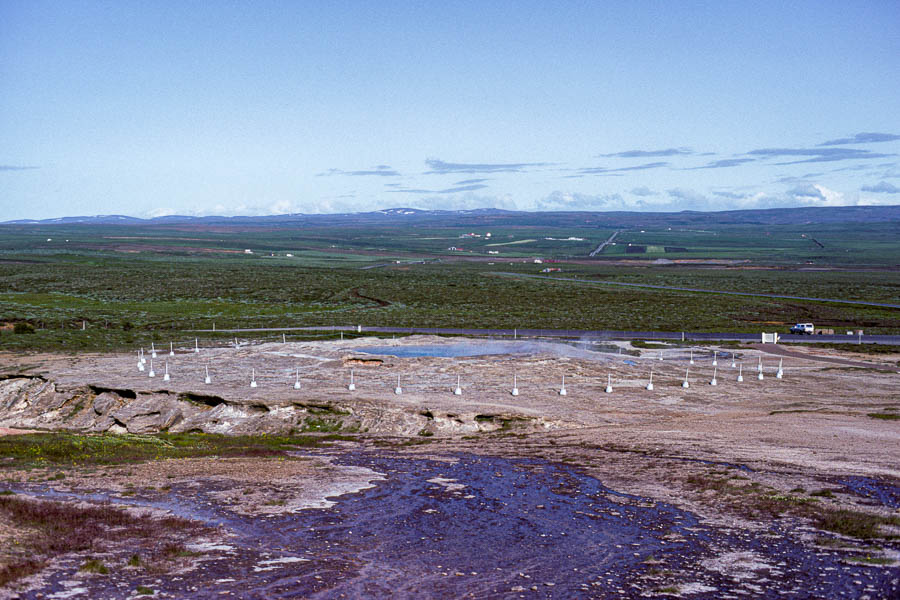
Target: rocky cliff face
(36,402)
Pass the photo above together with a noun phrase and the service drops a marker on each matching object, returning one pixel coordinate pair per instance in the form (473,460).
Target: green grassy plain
(141,283)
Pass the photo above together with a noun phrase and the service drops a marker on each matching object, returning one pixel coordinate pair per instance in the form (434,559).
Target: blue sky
(152,108)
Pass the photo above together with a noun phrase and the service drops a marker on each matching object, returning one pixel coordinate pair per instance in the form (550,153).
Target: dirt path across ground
(782,351)
(8,431)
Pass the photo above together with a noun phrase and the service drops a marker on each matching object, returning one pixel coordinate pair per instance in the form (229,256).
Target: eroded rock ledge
(34,401)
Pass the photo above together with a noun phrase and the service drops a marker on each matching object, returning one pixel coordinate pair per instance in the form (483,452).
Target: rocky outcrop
(35,402)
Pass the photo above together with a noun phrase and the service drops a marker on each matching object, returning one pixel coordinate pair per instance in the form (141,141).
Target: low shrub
(23,327)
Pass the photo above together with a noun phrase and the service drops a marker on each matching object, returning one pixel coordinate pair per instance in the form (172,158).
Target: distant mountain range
(493,216)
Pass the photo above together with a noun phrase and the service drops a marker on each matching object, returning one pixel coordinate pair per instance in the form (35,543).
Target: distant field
(132,284)
(873,244)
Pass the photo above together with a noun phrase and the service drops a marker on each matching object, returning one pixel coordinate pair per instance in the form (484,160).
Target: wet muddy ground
(463,525)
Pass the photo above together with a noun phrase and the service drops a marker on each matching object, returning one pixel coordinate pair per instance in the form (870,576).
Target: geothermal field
(456,467)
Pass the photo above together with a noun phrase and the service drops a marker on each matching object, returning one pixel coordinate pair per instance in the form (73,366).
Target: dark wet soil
(881,493)
(486,527)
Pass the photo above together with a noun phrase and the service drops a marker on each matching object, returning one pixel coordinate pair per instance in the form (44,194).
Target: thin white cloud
(816,195)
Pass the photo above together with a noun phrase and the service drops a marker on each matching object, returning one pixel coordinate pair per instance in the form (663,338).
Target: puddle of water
(885,494)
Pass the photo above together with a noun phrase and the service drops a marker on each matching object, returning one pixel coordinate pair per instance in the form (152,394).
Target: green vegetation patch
(322,424)
(871,560)
(885,416)
(757,501)
(854,523)
(93,565)
(56,449)
(650,345)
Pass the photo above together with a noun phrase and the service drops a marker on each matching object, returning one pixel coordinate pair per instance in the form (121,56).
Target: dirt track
(818,355)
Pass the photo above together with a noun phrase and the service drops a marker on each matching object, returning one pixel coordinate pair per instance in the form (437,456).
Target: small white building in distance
(248,251)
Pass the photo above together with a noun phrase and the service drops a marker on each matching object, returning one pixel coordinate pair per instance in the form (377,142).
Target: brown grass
(60,528)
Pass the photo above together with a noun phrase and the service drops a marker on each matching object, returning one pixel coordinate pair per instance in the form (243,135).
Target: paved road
(685,289)
(393,263)
(600,248)
(605,334)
